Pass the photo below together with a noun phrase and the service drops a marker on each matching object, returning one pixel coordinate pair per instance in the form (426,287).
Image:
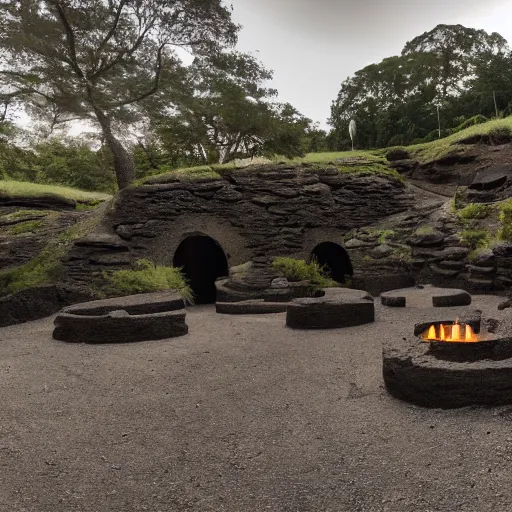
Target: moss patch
(31,226)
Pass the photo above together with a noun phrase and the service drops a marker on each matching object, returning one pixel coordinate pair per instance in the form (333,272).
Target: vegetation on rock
(299,270)
(147,277)
(46,267)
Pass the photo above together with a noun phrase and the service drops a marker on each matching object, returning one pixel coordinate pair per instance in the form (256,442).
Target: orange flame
(455,332)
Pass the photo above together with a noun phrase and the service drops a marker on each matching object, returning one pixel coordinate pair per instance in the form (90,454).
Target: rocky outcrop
(254,214)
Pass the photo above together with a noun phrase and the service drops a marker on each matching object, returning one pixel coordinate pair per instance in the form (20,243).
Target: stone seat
(329,312)
(149,316)
(425,296)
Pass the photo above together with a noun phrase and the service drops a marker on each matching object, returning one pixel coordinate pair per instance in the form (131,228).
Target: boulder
(381,251)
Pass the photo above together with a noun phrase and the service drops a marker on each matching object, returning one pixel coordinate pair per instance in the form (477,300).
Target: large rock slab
(34,303)
(251,307)
(329,313)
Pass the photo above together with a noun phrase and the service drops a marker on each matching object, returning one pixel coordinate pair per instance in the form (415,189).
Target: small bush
(474,211)
(147,277)
(397,154)
(500,135)
(299,270)
(472,121)
(475,238)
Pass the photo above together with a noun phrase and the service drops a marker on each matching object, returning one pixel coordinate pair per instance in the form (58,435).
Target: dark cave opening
(203,261)
(334,259)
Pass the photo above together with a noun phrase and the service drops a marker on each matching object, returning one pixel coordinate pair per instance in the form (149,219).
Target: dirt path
(241,415)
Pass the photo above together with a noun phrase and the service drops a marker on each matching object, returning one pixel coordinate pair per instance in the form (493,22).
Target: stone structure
(246,217)
(148,316)
(338,308)
(450,375)
(426,296)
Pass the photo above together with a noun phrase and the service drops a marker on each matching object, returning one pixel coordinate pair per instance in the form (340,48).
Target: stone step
(443,272)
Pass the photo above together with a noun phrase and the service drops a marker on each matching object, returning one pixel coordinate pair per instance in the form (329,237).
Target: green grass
(147,277)
(360,161)
(474,211)
(25,189)
(46,267)
(347,162)
(31,226)
(19,214)
(430,151)
(385,234)
(298,270)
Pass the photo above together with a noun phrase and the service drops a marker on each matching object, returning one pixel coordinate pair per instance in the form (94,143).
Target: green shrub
(474,211)
(147,277)
(299,270)
(475,238)
(500,134)
(505,232)
(472,121)
(397,154)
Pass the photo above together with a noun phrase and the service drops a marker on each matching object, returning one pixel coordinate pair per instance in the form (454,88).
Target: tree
(101,59)
(395,101)
(456,48)
(226,112)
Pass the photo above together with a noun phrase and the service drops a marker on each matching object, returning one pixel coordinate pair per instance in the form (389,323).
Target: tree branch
(154,87)
(112,31)
(70,36)
(103,69)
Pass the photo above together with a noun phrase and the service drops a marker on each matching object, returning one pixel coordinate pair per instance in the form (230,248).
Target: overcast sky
(313,45)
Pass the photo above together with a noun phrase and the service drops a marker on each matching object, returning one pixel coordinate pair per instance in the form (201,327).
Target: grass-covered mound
(347,162)
(22,189)
(364,161)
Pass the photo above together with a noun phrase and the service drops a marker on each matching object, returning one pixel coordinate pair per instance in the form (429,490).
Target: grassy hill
(352,161)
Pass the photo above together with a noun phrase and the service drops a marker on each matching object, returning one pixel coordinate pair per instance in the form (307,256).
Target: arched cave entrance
(334,259)
(203,261)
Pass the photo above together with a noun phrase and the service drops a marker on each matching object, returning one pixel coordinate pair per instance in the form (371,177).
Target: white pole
(439,121)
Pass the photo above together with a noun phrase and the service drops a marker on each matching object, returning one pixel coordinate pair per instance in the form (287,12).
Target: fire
(456,332)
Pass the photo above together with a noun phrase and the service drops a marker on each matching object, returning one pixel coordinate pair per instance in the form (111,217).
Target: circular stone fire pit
(426,296)
(148,316)
(433,373)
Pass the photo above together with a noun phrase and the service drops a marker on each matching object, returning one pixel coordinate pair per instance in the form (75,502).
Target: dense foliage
(463,72)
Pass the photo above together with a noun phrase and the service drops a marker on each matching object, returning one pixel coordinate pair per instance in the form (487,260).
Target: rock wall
(254,214)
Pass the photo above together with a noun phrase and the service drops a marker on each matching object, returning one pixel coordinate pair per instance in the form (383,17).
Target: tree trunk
(124,165)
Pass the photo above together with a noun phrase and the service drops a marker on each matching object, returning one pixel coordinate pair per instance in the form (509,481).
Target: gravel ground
(241,415)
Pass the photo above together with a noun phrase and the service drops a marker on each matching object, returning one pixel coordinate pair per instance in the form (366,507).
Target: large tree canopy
(458,69)
(101,59)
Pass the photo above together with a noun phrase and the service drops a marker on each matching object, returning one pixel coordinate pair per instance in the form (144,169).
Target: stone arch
(203,261)
(334,258)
